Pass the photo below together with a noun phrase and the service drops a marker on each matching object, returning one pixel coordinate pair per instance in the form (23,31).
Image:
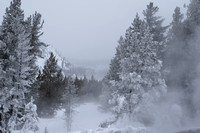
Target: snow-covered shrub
(30,117)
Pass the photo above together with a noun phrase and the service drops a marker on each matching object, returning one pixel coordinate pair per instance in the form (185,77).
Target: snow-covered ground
(54,125)
(86,119)
(86,116)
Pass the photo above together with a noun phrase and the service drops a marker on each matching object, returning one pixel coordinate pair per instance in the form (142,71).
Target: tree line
(54,87)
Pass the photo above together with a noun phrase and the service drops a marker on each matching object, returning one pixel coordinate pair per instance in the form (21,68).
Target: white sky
(89,29)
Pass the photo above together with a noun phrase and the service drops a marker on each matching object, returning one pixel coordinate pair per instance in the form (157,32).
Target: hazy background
(86,31)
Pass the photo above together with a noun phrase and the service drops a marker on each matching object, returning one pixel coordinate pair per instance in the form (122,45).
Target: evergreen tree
(21,80)
(85,80)
(78,83)
(36,33)
(181,48)
(181,55)
(3,98)
(23,59)
(51,76)
(155,26)
(15,64)
(193,16)
(51,87)
(174,52)
(176,25)
(123,48)
(122,52)
(141,82)
(30,117)
(34,26)
(154,23)
(114,69)
(9,40)
(192,20)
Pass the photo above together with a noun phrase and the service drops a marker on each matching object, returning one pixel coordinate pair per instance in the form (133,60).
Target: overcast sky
(89,29)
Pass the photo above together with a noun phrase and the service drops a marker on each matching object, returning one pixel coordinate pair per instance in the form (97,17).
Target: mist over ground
(100,70)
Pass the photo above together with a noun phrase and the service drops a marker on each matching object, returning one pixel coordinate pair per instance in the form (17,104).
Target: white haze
(171,113)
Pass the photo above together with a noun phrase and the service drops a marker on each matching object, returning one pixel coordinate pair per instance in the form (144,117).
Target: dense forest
(152,85)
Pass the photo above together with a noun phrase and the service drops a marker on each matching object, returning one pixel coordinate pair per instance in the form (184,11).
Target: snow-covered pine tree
(112,77)
(13,13)
(121,50)
(141,82)
(193,16)
(3,96)
(114,69)
(154,22)
(22,58)
(5,82)
(34,25)
(137,28)
(15,64)
(30,117)
(14,16)
(176,25)
(21,75)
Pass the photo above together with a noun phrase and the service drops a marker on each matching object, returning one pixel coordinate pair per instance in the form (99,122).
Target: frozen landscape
(99,66)
(86,116)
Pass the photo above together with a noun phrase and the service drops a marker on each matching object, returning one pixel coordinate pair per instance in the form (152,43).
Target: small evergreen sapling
(30,117)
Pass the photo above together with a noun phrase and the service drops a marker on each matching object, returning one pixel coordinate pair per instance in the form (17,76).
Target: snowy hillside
(62,62)
(70,69)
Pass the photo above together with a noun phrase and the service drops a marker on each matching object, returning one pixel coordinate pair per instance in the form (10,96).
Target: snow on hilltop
(62,62)
(68,68)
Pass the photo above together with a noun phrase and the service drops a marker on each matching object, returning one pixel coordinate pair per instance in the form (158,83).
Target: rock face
(190,131)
